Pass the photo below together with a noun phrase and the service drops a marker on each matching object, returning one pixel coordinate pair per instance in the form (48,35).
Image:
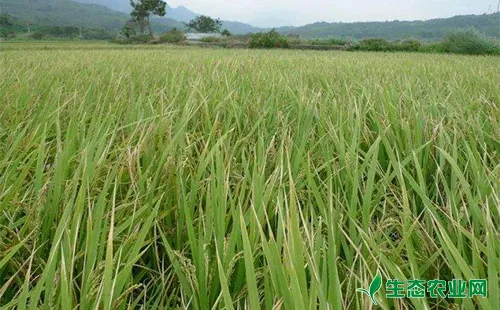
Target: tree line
(12,28)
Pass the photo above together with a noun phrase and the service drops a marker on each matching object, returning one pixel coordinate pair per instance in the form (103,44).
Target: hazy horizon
(296,13)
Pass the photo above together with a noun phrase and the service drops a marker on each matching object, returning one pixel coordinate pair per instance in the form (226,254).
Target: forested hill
(71,13)
(63,13)
(179,14)
(89,14)
(434,29)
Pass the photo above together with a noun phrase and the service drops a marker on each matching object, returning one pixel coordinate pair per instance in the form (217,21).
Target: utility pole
(29,29)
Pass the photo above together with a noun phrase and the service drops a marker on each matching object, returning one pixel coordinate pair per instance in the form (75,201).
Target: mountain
(240,28)
(63,13)
(434,29)
(180,14)
(112,15)
(116,5)
(70,13)
(429,30)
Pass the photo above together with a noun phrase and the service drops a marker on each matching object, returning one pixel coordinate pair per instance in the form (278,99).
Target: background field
(169,177)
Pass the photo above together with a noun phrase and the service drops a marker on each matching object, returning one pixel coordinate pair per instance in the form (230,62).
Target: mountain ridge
(180,14)
(432,29)
(86,13)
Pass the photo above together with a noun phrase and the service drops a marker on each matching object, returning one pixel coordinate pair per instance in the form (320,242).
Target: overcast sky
(294,12)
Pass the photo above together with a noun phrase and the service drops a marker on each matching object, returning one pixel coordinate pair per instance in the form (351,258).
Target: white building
(199,36)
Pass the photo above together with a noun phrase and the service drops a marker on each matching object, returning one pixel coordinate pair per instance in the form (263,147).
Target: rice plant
(183,178)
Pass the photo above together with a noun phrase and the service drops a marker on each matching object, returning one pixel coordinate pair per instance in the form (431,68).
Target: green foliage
(271,39)
(469,41)
(143,9)
(382,45)
(6,26)
(137,39)
(374,45)
(436,47)
(409,46)
(128,29)
(141,39)
(93,33)
(38,35)
(64,13)
(205,24)
(430,30)
(11,27)
(155,177)
(294,39)
(174,36)
(71,13)
(6,20)
(62,32)
(331,41)
(226,33)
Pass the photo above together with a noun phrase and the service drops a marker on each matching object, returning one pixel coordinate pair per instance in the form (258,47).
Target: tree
(205,24)
(226,33)
(6,20)
(271,39)
(142,9)
(129,29)
(7,24)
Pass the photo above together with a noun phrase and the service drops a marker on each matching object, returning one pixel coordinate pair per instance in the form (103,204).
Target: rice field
(184,178)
